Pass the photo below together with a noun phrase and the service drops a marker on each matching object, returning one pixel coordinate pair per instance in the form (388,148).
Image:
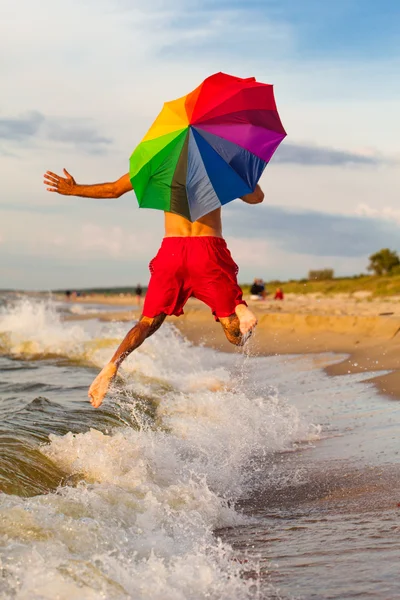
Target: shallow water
(203,475)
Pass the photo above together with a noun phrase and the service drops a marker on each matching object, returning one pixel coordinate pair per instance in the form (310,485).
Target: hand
(65,186)
(255,197)
(100,385)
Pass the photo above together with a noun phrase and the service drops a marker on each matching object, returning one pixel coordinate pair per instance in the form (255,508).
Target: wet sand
(365,329)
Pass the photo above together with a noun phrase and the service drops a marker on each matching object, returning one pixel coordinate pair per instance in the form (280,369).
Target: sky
(83,81)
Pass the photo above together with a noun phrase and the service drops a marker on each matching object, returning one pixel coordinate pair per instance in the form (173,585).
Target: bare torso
(209,225)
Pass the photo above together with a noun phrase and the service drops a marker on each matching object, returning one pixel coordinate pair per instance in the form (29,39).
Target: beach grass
(388,285)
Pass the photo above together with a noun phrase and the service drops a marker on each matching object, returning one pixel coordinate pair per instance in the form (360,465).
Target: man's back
(209,225)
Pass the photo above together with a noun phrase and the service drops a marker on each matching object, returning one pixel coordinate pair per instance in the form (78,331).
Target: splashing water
(33,329)
(139,505)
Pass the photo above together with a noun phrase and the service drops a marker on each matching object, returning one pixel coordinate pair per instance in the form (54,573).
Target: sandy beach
(360,326)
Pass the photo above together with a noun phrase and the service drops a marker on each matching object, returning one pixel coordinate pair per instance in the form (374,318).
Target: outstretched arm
(67,186)
(255,197)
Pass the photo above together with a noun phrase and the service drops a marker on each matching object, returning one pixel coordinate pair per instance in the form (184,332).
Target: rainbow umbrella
(207,148)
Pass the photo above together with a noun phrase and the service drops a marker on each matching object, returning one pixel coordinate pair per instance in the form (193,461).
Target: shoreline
(369,339)
(369,344)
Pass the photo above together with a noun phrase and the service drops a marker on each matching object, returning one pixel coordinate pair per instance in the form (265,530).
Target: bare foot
(247,319)
(100,385)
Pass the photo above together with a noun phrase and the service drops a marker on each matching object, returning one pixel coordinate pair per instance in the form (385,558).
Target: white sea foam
(140,522)
(34,328)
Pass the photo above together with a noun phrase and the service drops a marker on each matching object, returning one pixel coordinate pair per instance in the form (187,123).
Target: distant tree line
(321,274)
(384,262)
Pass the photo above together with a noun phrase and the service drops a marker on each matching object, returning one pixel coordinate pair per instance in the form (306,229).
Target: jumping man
(193,261)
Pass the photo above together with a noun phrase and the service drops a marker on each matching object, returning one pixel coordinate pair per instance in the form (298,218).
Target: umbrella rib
(178,181)
(229,165)
(221,120)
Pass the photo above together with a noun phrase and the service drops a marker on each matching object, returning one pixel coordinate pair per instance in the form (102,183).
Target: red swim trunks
(201,267)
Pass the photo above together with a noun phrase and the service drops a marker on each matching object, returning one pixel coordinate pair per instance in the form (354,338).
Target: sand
(364,329)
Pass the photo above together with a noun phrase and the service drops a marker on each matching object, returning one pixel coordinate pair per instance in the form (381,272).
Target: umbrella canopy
(207,148)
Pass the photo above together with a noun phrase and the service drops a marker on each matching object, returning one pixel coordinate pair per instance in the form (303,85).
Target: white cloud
(55,235)
(250,253)
(386,212)
(116,242)
(262,258)
(99,239)
(331,189)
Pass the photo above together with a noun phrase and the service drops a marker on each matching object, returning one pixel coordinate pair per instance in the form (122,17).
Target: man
(193,261)
(257,290)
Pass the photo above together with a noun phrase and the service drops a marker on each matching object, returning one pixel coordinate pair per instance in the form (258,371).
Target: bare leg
(133,339)
(247,319)
(238,328)
(231,327)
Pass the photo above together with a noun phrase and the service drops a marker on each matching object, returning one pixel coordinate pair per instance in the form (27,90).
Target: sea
(203,475)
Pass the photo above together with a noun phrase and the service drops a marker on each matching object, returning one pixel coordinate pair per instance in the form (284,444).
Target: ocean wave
(33,329)
(144,498)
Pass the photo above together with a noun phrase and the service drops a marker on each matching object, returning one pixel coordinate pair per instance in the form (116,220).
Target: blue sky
(333,30)
(83,84)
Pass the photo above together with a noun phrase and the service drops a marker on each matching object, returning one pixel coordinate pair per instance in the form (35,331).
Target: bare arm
(255,197)
(67,186)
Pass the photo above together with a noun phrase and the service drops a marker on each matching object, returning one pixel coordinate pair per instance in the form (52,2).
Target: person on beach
(193,261)
(257,290)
